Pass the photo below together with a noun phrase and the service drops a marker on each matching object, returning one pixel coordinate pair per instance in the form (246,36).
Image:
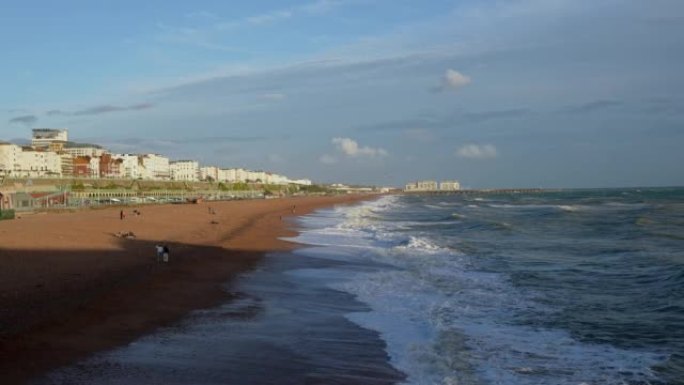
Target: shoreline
(76,289)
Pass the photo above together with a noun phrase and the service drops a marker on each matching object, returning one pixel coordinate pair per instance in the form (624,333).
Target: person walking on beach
(165,256)
(160,252)
(122,215)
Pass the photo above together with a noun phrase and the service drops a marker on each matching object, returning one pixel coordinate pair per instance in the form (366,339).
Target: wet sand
(69,287)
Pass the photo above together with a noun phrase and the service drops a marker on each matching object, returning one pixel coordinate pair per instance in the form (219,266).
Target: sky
(493,93)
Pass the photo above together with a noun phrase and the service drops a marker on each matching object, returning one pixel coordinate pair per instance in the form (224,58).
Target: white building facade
(37,164)
(209,173)
(449,185)
(91,151)
(424,185)
(302,182)
(185,170)
(130,166)
(9,158)
(156,167)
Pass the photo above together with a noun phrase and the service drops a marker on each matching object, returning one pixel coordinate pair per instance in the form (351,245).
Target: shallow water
(278,331)
(576,287)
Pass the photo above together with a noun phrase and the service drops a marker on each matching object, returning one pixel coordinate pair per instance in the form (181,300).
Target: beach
(71,286)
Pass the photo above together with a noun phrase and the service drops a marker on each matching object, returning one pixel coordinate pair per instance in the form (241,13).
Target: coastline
(71,288)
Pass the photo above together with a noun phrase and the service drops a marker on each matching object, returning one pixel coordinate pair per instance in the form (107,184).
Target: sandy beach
(70,287)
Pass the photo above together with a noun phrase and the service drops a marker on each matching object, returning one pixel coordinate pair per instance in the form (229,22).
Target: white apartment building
(276,178)
(94,167)
(185,170)
(210,173)
(90,150)
(241,175)
(255,176)
(38,164)
(43,137)
(67,162)
(130,167)
(232,175)
(301,182)
(155,167)
(9,158)
(226,175)
(449,185)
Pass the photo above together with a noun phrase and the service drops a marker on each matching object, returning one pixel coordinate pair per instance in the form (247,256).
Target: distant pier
(483,191)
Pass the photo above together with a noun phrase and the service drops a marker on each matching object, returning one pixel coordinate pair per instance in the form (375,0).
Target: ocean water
(573,287)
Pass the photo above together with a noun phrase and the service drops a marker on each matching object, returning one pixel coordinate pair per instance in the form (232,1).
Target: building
(425,185)
(44,137)
(108,166)
(301,182)
(67,164)
(209,173)
(232,175)
(156,167)
(53,164)
(82,167)
(240,175)
(51,154)
(255,176)
(449,185)
(9,158)
(272,178)
(82,149)
(35,164)
(129,166)
(185,170)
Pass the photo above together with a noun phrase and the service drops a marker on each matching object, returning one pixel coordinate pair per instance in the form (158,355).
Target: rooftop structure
(431,185)
(425,185)
(43,137)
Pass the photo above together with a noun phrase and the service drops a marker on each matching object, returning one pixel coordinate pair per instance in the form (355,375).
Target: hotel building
(185,170)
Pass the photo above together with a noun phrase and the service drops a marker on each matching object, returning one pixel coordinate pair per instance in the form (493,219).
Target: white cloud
(477,151)
(327,159)
(455,80)
(351,148)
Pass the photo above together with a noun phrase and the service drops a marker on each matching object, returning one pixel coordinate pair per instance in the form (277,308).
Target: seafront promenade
(66,193)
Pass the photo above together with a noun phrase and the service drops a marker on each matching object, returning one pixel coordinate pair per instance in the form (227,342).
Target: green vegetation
(110,186)
(315,189)
(6,214)
(234,186)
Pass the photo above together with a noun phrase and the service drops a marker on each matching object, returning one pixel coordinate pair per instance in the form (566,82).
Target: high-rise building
(44,137)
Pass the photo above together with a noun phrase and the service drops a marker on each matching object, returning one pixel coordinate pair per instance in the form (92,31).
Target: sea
(568,287)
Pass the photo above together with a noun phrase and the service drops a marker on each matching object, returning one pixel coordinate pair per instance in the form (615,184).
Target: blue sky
(538,93)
